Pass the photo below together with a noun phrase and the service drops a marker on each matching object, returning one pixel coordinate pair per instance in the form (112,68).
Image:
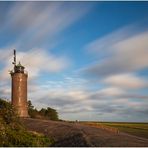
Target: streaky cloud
(126,55)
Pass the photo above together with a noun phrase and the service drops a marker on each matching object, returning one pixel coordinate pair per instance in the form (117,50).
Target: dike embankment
(78,135)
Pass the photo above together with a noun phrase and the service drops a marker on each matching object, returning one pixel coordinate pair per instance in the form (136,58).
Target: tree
(48,113)
(30,106)
(42,112)
(52,113)
(31,111)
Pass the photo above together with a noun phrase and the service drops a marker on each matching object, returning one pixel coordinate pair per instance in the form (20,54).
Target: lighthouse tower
(19,88)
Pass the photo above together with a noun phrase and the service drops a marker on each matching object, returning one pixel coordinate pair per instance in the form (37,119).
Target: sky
(88,60)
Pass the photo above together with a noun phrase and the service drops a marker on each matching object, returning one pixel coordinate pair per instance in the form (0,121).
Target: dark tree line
(44,113)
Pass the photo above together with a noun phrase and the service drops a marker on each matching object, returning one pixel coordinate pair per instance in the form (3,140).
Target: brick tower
(19,88)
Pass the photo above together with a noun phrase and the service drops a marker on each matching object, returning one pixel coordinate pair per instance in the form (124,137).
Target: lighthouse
(19,88)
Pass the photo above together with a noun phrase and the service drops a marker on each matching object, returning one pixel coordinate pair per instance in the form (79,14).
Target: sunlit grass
(136,129)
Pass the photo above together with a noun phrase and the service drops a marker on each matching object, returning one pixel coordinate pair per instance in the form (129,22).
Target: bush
(13,133)
(7,112)
(24,138)
(48,113)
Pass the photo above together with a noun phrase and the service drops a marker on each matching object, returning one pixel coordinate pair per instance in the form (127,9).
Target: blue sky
(89,60)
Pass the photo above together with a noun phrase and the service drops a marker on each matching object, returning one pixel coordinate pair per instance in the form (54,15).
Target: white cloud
(121,55)
(106,42)
(111,91)
(133,53)
(36,61)
(33,25)
(82,104)
(66,89)
(30,25)
(126,81)
(36,23)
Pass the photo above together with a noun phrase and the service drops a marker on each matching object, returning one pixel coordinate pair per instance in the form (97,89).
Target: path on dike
(76,134)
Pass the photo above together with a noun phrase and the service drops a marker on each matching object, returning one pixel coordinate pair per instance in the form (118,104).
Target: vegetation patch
(13,133)
(45,113)
(136,129)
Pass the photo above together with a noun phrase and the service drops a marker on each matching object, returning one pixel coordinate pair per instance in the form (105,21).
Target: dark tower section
(19,88)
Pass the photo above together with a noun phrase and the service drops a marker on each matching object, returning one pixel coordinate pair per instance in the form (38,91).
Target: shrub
(48,113)
(13,133)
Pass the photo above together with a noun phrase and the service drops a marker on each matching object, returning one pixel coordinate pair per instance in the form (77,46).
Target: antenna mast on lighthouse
(14,53)
(14,57)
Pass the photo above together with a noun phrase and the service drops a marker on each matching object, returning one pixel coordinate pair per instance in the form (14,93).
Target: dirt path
(75,134)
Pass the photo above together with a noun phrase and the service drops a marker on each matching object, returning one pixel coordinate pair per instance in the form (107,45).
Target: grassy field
(137,129)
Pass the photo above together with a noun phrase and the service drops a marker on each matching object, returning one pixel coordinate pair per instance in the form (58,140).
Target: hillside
(13,133)
(76,134)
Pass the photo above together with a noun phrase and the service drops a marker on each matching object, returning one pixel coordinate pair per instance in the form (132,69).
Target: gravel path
(76,135)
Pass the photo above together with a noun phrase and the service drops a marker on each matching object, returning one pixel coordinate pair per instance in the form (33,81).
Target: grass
(136,129)
(14,134)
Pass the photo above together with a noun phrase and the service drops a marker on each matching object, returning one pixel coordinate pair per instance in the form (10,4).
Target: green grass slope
(13,133)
